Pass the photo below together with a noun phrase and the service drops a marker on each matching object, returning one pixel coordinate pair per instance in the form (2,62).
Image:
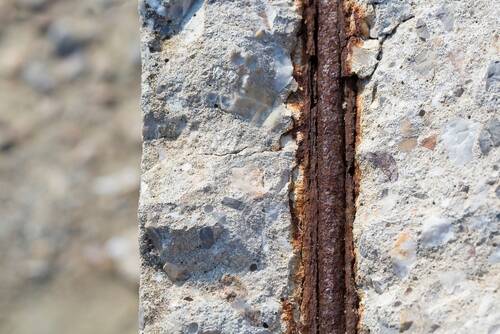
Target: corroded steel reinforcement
(326,155)
(330,172)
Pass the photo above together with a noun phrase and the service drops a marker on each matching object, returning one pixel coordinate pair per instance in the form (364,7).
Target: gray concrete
(217,166)
(427,213)
(214,207)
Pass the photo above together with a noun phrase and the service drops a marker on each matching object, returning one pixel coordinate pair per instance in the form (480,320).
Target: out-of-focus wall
(69,160)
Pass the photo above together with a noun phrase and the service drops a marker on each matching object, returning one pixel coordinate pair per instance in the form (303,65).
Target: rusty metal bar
(329,299)
(331,172)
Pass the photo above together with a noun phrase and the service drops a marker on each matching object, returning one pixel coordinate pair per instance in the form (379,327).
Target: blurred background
(69,166)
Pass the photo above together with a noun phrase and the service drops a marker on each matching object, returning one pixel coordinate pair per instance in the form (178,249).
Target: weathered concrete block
(217,165)
(426,239)
(222,168)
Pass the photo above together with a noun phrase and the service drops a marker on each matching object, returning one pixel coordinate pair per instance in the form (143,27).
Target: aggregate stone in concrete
(427,240)
(214,209)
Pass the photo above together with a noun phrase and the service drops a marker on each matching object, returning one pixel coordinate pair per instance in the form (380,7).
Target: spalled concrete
(217,163)
(220,176)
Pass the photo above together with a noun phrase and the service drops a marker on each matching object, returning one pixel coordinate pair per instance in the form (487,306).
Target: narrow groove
(351,302)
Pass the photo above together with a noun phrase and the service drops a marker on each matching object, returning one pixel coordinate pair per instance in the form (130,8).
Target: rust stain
(307,157)
(299,312)
(357,141)
(356,20)
(354,29)
(351,193)
(288,316)
(359,115)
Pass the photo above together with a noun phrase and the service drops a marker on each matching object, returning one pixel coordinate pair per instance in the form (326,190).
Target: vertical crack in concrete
(326,154)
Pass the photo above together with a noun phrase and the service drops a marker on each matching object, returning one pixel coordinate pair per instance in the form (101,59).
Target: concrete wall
(220,170)
(217,165)
(426,229)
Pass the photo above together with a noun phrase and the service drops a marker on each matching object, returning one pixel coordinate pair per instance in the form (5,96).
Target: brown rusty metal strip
(331,172)
(306,210)
(352,27)
(325,207)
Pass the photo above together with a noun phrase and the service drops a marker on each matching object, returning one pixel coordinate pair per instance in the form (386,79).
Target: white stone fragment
(363,58)
(283,68)
(458,140)
(452,280)
(494,257)
(436,231)
(157,6)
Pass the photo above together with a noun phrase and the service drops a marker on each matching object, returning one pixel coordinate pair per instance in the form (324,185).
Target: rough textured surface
(219,169)
(330,171)
(214,207)
(426,230)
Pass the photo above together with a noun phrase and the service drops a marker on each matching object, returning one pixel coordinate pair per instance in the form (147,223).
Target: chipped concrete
(362,58)
(214,209)
(219,168)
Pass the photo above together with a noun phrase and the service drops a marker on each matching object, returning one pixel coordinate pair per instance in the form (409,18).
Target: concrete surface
(216,169)
(216,229)
(426,230)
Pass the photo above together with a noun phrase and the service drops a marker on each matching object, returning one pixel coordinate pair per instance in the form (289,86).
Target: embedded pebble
(232,203)
(446,18)
(493,75)
(422,30)
(429,142)
(489,136)
(494,257)
(458,139)
(207,237)
(159,125)
(436,231)
(175,272)
(385,162)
